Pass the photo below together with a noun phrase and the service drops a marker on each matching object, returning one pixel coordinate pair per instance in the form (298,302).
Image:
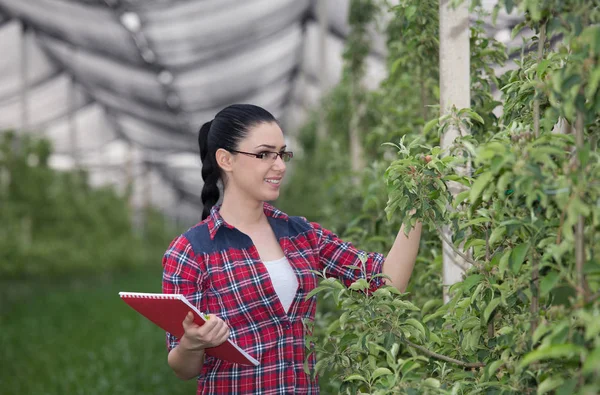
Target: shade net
(121,87)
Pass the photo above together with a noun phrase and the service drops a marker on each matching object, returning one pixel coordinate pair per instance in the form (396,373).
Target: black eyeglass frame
(261,155)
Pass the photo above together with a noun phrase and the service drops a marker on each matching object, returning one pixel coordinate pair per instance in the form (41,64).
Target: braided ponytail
(229,127)
(210,171)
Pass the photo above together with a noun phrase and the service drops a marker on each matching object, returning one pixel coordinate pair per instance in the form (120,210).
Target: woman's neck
(242,213)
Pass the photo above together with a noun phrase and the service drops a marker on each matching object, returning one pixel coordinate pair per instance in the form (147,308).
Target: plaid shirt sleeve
(181,275)
(336,255)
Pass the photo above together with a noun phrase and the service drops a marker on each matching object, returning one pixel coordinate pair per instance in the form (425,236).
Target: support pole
(323,31)
(454,91)
(24,96)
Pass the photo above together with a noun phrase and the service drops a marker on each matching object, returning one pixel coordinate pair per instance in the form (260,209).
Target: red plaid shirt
(218,268)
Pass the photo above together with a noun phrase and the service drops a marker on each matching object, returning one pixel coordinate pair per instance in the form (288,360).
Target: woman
(249,264)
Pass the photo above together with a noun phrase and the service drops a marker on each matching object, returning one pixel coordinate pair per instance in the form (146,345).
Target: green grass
(78,337)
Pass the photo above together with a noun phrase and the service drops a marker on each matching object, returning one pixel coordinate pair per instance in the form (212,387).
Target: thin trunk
(73,123)
(356,148)
(423,96)
(536,101)
(534,308)
(488,252)
(488,257)
(582,289)
(24,96)
(490,328)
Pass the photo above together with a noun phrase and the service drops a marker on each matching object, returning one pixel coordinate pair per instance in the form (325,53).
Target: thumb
(188,321)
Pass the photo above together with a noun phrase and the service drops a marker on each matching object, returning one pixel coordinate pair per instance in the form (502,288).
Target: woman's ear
(224,159)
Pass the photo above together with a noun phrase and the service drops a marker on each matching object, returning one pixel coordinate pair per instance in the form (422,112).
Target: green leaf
(556,351)
(434,338)
(430,304)
(409,365)
(503,264)
(382,292)
(360,285)
(394,350)
(470,281)
(430,317)
(541,330)
(344,319)
(416,324)
(355,377)
(380,372)
(460,197)
(479,185)
(497,234)
(472,339)
(476,293)
(548,282)
(476,117)
(314,292)
(493,367)
(517,257)
(320,364)
(429,125)
(405,305)
(431,382)
(592,362)
(568,388)
(542,66)
(470,323)
(549,384)
(489,309)
(505,330)
(410,11)
(571,81)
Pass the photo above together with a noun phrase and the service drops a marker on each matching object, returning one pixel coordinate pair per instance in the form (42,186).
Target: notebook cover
(168,312)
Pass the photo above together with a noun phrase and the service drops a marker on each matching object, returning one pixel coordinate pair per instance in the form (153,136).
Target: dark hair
(226,130)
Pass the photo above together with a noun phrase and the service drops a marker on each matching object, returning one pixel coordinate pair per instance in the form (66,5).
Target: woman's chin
(271,195)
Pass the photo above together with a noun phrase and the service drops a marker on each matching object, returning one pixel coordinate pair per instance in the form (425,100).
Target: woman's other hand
(214,332)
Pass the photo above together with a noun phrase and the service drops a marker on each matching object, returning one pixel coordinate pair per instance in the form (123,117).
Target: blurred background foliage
(55,224)
(67,249)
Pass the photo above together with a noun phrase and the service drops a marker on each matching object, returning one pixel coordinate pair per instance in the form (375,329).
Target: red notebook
(168,312)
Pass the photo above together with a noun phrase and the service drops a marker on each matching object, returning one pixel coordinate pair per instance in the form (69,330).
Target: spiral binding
(141,295)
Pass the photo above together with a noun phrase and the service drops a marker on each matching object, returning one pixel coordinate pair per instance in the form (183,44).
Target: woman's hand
(196,338)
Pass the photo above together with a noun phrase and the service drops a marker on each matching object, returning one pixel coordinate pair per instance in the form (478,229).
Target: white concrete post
(454,91)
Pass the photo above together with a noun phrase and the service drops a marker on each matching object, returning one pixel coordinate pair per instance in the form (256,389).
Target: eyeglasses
(269,156)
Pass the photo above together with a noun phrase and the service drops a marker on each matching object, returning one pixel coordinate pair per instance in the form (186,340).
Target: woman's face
(257,178)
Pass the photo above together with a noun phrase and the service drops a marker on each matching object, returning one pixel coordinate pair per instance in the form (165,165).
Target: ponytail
(225,131)
(210,172)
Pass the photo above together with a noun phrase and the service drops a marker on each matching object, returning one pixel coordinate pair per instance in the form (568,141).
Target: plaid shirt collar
(215,221)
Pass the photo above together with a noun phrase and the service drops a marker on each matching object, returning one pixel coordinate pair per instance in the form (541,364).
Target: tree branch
(443,357)
(456,250)
(582,286)
(534,308)
(536,100)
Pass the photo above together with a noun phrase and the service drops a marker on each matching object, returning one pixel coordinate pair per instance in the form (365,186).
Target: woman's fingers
(222,334)
(212,333)
(188,321)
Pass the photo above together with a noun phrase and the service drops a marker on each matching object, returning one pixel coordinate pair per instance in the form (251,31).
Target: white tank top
(284,280)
